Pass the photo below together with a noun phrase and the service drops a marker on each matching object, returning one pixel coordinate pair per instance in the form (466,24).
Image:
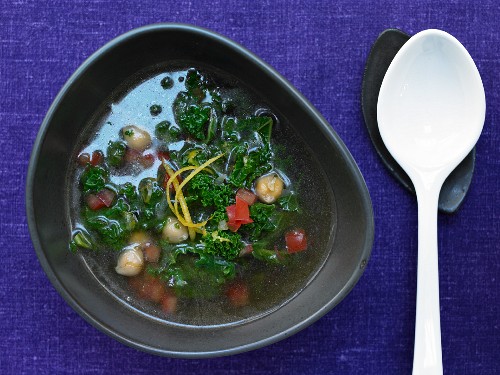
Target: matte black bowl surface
(48,216)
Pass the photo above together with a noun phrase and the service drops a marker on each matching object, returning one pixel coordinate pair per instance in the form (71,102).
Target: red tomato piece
(238,294)
(238,214)
(136,283)
(242,213)
(106,196)
(246,250)
(231,213)
(83,159)
(247,196)
(147,160)
(97,158)
(233,227)
(232,223)
(132,155)
(148,287)
(151,253)
(154,290)
(94,202)
(163,155)
(296,240)
(169,303)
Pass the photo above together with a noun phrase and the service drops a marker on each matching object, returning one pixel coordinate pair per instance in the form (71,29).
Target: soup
(195,202)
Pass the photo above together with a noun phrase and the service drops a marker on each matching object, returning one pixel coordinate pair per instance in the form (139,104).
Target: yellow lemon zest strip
(184,207)
(188,178)
(179,199)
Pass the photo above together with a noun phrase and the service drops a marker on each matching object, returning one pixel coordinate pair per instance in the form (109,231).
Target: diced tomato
(233,227)
(246,250)
(296,240)
(106,196)
(163,155)
(247,196)
(238,294)
(231,213)
(242,213)
(169,303)
(151,253)
(154,290)
(132,155)
(102,199)
(94,202)
(83,159)
(97,158)
(232,223)
(147,160)
(136,283)
(238,214)
(148,287)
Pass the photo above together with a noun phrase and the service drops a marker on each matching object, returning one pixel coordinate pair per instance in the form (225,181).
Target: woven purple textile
(321,48)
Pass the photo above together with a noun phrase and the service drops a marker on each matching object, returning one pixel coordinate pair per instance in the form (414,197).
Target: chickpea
(174,231)
(130,261)
(269,188)
(136,138)
(139,238)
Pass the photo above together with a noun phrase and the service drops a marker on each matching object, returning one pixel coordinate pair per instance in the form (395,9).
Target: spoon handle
(427,357)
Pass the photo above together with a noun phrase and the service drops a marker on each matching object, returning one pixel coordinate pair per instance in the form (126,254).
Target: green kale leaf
(265,219)
(250,165)
(93,179)
(81,239)
(191,116)
(150,205)
(275,257)
(211,194)
(224,244)
(191,271)
(116,153)
(112,224)
(289,202)
(262,125)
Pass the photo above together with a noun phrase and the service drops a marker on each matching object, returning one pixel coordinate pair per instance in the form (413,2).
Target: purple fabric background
(321,47)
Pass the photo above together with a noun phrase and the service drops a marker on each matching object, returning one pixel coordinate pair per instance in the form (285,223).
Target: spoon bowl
(386,46)
(430,113)
(431,103)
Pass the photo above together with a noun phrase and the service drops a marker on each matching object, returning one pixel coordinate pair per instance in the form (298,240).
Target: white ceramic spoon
(430,112)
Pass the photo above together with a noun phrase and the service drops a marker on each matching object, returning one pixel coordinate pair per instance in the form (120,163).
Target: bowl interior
(48,215)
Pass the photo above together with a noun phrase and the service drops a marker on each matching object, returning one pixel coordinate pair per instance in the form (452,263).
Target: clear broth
(270,286)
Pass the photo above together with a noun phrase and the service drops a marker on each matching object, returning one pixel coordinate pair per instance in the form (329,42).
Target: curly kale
(112,224)
(93,179)
(149,204)
(191,116)
(191,271)
(265,219)
(196,109)
(211,194)
(262,125)
(250,165)
(204,189)
(224,244)
(115,153)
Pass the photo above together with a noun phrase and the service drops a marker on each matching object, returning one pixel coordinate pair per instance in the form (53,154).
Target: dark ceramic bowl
(48,217)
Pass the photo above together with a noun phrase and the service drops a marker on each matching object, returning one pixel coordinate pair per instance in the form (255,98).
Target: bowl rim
(321,122)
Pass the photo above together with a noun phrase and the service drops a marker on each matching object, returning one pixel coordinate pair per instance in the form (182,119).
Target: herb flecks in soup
(195,201)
